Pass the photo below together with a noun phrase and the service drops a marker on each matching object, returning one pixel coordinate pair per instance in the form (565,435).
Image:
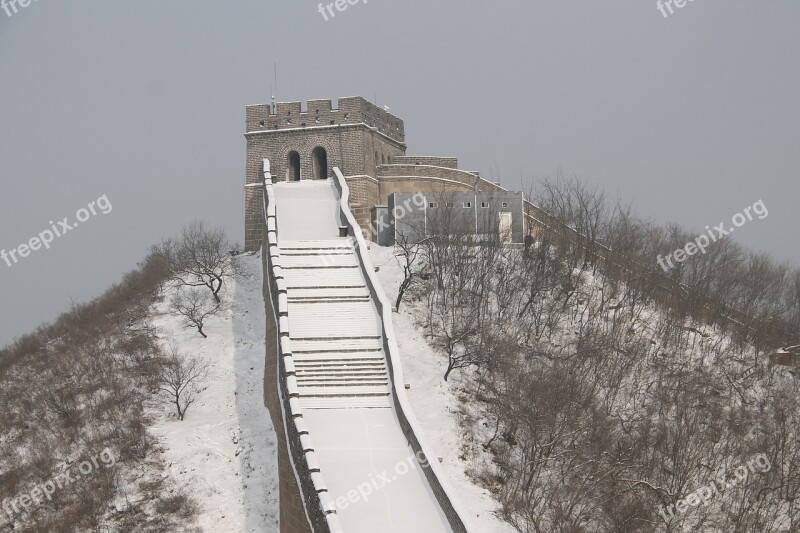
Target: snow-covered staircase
(344,406)
(335,331)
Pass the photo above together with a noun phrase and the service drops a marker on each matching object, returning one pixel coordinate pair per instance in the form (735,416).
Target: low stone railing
(318,504)
(456,516)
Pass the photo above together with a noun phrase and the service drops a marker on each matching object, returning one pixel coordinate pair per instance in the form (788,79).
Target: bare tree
(181,380)
(608,388)
(580,213)
(407,251)
(195,306)
(199,258)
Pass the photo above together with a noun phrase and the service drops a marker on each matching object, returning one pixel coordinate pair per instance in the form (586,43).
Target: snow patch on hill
(225,452)
(435,402)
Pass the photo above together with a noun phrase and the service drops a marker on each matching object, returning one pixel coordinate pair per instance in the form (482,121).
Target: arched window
(319,163)
(293,167)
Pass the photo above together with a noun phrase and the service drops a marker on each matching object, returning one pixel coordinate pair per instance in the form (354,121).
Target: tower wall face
(352,148)
(361,137)
(292,512)
(254,221)
(353,110)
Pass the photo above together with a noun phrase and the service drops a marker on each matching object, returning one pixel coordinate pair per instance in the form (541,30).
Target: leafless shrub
(194,306)
(407,252)
(199,258)
(608,389)
(181,380)
(77,386)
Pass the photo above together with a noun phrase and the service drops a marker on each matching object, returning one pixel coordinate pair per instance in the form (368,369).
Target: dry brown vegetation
(79,386)
(600,396)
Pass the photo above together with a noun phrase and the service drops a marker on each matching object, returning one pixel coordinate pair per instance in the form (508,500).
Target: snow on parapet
(317,503)
(435,475)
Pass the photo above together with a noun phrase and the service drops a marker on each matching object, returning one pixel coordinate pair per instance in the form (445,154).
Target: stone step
(371,356)
(314,261)
(344,294)
(338,366)
(331,392)
(341,371)
(340,320)
(305,385)
(380,377)
(343,244)
(329,300)
(372,402)
(323,278)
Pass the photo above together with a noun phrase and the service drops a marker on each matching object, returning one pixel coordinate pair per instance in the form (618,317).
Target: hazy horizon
(691,118)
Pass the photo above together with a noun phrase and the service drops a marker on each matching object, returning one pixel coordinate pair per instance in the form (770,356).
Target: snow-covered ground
(224,454)
(434,402)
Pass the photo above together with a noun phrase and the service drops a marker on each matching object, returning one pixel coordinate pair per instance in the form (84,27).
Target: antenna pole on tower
(272,104)
(275,69)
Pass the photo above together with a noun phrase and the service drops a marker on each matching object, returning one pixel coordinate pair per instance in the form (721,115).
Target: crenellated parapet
(443,162)
(320,113)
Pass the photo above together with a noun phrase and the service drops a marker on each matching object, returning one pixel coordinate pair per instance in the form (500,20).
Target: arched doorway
(319,163)
(293,168)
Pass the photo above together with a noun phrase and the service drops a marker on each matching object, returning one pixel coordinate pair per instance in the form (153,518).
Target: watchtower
(301,144)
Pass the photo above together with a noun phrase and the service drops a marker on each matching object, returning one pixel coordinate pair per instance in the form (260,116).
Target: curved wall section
(410,427)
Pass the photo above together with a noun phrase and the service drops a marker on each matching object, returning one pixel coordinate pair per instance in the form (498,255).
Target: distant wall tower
(301,144)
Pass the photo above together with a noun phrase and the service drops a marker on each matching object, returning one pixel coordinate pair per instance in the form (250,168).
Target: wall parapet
(350,110)
(444,162)
(456,516)
(668,291)
(318,504)
(431,171)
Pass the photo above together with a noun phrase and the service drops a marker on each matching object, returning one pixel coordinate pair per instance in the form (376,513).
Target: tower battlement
(321,113)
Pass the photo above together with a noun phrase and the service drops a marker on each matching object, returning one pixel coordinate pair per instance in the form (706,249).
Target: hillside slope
(225,452)
(89,444)
(435,403)
(584,406)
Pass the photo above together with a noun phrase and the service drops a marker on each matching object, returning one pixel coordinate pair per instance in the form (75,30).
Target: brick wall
(444,162)
(254,222)
(292,514)
(362,137)
(387,172)
(363,196)
(351,110)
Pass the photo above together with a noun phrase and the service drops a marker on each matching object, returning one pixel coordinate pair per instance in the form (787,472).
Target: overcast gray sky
(691,117)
